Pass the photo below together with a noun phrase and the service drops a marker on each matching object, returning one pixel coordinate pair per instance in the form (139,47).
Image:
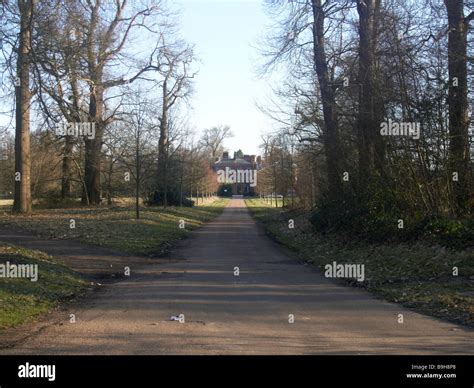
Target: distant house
(240,172)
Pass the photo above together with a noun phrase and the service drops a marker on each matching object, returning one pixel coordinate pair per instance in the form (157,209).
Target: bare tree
(213,138)
(331,131)
(22,199)
(368,117)
(302,40)
(58,75)
(459,155)
(140,129)
(176,85)
(105,38)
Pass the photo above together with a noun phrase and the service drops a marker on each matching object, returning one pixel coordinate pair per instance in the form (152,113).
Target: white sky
(225,33)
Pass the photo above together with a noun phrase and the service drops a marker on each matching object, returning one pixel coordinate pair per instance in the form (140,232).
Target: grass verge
(116,227)
(22,299)
(418,275)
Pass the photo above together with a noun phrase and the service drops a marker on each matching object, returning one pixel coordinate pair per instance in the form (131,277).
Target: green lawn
(417,275)
(22,299)
(116,227)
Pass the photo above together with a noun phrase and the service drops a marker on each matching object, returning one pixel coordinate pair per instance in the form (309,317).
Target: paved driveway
(245,314)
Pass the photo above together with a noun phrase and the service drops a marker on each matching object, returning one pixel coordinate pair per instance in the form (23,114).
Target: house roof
(232,162)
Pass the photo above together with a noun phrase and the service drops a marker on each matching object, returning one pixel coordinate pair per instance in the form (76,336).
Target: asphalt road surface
(227,314)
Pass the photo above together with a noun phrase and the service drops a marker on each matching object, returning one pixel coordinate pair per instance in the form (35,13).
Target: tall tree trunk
(137,175)
(110,172)
(67,167)
(368,121)
(458,102)
(330,133)
(163,147)
(93,152)
(22,198)
(181,182)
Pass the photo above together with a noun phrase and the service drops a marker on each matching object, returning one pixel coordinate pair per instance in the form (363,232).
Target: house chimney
(225,155)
